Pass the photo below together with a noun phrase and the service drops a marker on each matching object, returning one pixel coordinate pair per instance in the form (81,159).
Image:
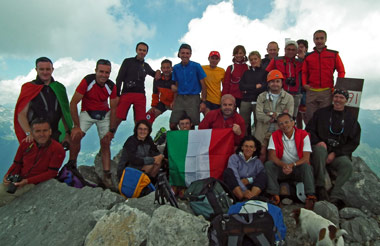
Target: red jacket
(290,68)
(318,68)
(214,119)
(37,164)
(232,78)
(299,136)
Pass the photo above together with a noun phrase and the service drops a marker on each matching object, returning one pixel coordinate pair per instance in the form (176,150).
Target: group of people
(273,89)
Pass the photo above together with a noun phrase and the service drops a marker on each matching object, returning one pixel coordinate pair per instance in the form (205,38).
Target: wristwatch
(27,133)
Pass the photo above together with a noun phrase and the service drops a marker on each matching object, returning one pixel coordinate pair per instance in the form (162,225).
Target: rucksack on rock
(255,206)
(70,175)
(253,229)
(209,197)
(134,183)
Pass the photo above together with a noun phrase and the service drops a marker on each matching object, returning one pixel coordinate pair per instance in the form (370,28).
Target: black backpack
(164,193)
(209,197)
(254,229)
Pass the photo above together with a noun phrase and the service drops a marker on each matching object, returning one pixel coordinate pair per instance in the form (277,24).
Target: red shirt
(95,97)
(37,164)
(232,79)
(215,119)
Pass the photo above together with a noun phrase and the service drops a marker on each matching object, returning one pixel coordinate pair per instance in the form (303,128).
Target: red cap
(214,53)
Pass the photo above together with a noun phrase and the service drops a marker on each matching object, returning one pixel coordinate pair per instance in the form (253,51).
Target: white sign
(354,99)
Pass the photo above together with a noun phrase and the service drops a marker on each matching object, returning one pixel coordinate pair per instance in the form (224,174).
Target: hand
(76,133)
(306,87)
(322,144)
(158,159)
(5,181)
(21,183)
(171,105)
(258,86)
(330,158)
(174,88)
(248,194)
(202,107)
(244,181)
(28,139)
(236,129)
(287,169)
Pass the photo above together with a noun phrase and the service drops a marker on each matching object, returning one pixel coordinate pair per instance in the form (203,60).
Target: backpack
(134,183)
(209,197)
(164,192)
(70,175)
(255,206)
(160,137)
(242,230)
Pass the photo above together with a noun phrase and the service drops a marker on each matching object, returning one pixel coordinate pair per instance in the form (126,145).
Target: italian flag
(198,154)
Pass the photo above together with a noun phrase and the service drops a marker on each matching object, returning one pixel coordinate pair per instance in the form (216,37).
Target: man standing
(318,74)
(163,92)
(225,117)
(272,50)
(291,68)
(94,91)
(289,153)
(189,77)
(130,84)
(35,162)
(213,81)
(335,134)
(42,98)
(269,105)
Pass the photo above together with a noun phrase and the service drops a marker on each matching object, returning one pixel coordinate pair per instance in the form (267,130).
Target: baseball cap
(214,53)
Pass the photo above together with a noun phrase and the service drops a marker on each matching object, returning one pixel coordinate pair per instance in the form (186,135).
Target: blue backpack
(134,183)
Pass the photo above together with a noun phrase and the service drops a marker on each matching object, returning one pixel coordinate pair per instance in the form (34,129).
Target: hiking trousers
(6,197)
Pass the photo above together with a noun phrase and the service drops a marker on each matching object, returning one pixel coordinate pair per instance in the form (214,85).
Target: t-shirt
(95,97)
(213,81)
(290,150)
(188,77)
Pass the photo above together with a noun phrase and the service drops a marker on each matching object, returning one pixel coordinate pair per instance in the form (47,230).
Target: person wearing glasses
(140,152)
(335,134)
(94,91)
(289,151)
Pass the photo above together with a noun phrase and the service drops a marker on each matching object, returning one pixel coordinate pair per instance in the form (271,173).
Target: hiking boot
(322,193)
(107,179)
(310,201)
(275,199)
(338,203)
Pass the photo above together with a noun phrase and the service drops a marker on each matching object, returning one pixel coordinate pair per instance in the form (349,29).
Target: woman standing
(234,73)
(251,85)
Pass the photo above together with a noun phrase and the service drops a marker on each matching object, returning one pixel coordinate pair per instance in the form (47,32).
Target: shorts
(86,122)
(211,105)
(139,105)
(162,107)
(186,105)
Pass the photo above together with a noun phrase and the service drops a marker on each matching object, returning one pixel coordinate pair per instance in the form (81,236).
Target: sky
(76,33)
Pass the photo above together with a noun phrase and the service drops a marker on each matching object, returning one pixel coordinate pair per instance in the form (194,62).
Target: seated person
(335,134)
(289,153)
(34,162)
(140,152)
(225,117)
(245,174)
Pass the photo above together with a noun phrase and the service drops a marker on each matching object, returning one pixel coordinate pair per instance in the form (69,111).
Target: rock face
(53,213)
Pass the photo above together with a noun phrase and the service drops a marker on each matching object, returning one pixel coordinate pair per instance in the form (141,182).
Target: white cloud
(70,28)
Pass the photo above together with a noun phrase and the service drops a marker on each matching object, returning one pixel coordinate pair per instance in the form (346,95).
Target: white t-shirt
(290,154)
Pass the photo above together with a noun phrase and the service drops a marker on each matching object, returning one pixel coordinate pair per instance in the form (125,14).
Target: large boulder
(363,189)
(53,213)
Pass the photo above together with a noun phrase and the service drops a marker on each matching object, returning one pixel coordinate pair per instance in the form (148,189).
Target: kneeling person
(94,91)
(140,152)
(289,153)
(245,174)
(34,162)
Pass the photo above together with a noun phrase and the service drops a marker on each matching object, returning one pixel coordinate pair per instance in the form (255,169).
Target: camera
(290,81)
(13,179)
(332,142)
(130,84)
